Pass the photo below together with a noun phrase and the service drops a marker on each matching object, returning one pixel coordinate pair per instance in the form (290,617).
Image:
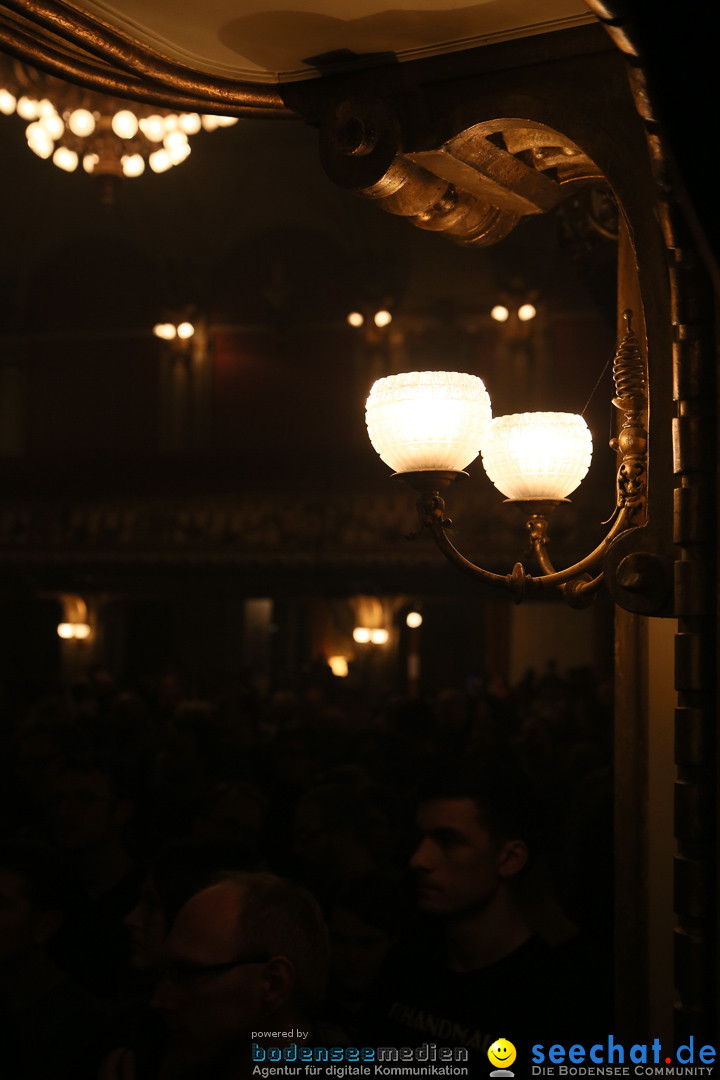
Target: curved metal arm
(577,585)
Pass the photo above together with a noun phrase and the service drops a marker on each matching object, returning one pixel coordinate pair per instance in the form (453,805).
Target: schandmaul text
(339,1062)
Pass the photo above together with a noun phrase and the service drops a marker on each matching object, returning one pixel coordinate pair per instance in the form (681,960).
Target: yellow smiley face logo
(502,1053)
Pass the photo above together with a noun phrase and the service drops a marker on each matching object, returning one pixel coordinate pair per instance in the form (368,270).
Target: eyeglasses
(186,974)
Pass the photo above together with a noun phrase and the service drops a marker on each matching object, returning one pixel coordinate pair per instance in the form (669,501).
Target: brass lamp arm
(575,579)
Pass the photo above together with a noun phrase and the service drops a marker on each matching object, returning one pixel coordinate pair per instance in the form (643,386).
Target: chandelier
(430,425)
(74,127)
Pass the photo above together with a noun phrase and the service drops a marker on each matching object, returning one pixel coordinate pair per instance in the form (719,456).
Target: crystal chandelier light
(429,425)
(77,128)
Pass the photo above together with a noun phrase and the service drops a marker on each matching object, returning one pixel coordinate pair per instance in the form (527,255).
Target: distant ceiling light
(27,108)
(160,161)
(153,127)
(361,634)
(133,164)
(166,331)
(190,123)
(185,330)
(125,124)
(8,103)
(414,619)
(379,637)
(211,123)
(81,122)
(382,318)
(108,135)
(65,159)
(355,318)
(339,666)
(500,313)
(67,631)
(526,312)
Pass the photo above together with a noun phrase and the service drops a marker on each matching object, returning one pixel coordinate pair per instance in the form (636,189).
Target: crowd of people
(186,882)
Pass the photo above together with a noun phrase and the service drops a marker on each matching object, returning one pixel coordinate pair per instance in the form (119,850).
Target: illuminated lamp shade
(428,420)
(542,455)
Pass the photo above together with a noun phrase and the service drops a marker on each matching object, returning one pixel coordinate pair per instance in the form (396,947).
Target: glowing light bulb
(537,455)
(132,164)
(361,634)
(81,122)
(382,318)
(428,420)
(379,637)
(355,318)
(65,159)
(159,161)
(526,312)
(125,124)
(190,123)
(27,107)
(8,103)
(414,619)
(166,331)
(185,330)
(153,127)
(500,313)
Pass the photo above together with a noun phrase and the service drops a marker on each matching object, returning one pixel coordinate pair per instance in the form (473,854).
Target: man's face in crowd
(208,1012)
(458,865)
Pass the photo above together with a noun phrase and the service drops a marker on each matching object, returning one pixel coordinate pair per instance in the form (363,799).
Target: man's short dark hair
(505,796)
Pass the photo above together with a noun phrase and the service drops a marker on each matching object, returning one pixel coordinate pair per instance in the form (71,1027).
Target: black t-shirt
(536,994)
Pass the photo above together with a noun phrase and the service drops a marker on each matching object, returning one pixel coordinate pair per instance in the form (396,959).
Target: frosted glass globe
(428,420)
(542,455)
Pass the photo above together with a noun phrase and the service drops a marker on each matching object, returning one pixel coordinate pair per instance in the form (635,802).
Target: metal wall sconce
(429,426)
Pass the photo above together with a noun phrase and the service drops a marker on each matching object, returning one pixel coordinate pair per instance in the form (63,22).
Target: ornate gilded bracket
(475,186)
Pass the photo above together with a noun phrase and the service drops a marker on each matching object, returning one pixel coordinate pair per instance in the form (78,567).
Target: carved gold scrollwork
(475,187)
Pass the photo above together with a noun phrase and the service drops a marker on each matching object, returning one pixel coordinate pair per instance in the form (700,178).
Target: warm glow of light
(38,139)
(53,125)
(379,636)
(414,619)
(339,666)
(153,127)
(8,103)
(132,164)
(79,631)
(382,318)
(81,122)
(125,124)
(210,123)
(65,159)
(500,313)
(27,108)
(537,455)
(89,162)
(185,330)
(355,318)
(160,161)
(189,123)
(423,420)
(361,634)
(526,312)
(166,331)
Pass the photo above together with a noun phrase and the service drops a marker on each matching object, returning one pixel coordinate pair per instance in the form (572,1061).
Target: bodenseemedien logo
(502,1054)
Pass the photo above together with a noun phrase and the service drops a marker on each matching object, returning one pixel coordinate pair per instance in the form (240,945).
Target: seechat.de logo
(502,1054)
